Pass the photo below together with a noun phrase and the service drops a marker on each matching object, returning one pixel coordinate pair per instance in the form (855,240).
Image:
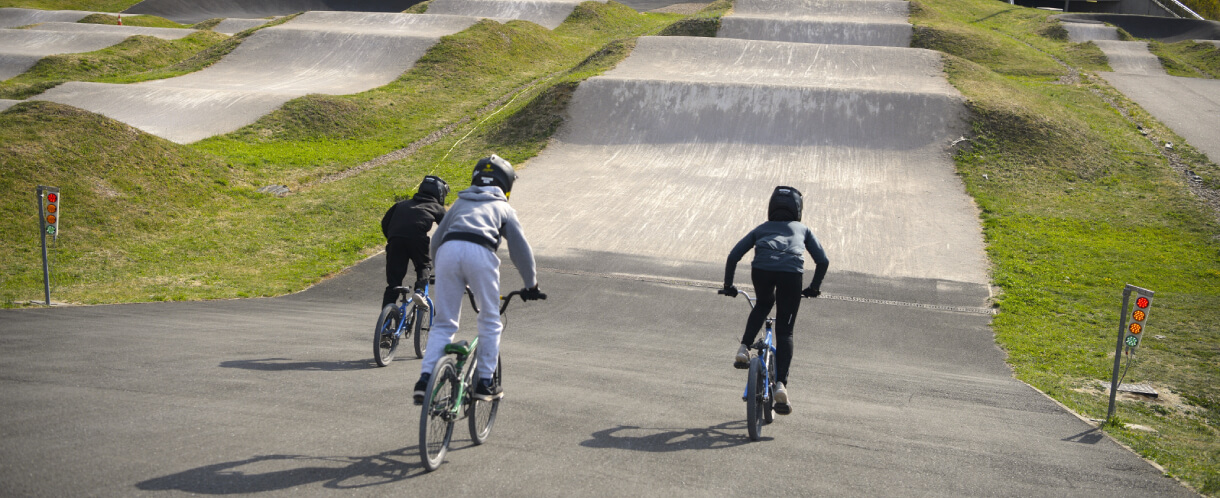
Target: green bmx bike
(450,398)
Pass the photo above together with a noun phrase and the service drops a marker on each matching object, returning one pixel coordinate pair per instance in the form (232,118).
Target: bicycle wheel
(754,399)
(422,316)
(769,403)
(436,417)
(483,413)
(385,343)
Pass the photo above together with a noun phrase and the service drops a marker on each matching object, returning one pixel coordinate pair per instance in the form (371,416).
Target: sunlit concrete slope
(192,11)
(13,17)
(20,49)
(672,156)
(848,22)
(547,13)
(7,103)
(317,52)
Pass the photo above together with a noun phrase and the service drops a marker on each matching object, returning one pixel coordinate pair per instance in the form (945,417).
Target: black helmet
(785,204)
(494,171)
(434,187)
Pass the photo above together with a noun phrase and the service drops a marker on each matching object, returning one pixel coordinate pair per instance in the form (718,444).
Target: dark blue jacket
(780,246)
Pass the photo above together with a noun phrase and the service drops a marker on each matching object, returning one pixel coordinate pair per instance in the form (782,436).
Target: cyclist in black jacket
(405,226)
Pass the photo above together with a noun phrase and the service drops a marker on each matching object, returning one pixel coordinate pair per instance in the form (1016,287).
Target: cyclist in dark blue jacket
(777,272)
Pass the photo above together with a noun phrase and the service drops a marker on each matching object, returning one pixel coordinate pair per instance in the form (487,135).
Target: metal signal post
(48,222)
(1129,335)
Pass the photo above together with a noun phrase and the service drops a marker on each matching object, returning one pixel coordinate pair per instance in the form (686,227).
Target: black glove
(811,291)
(532,294)
(728,290)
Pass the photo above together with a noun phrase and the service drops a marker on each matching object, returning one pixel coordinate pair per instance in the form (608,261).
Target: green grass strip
(1076,202)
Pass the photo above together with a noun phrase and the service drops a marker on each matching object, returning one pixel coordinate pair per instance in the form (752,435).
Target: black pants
(783,290)
(398,252)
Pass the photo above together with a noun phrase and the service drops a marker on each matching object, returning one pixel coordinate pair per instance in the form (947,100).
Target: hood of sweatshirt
(482,194)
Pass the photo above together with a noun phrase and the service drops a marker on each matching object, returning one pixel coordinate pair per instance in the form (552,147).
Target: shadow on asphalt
(281,364)
(276,472)
(629,437)
(1091,436)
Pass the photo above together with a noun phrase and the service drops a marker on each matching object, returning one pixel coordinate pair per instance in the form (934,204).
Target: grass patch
(124,62)
(1209,9)
(1188,58)
(146,219)
(144,21)
(92,5)
(1075,204)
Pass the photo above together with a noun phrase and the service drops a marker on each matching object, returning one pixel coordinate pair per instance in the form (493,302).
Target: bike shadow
(284,364)
(630,437)
(278,472)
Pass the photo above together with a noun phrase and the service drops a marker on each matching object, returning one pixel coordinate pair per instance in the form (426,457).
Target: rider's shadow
(627,437)
(282,364)
(276,472)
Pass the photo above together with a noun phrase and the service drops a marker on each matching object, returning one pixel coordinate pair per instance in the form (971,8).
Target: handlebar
(510,295)
(724,292)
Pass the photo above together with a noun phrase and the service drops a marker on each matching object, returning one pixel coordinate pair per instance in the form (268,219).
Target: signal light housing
(1138,317)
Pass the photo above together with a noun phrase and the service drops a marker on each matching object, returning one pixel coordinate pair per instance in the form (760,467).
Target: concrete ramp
(843,22)
(14,17)
(20,49)
(1083,31)
(317,52)
(193,11)
(547,13)
(672,156)
(7,103)
(1131,57)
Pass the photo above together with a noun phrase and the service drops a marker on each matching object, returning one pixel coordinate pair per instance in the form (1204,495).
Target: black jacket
(412,218)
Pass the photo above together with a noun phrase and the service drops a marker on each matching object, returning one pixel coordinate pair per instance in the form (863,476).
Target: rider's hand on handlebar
(532,294)
(811,292)
(728,290)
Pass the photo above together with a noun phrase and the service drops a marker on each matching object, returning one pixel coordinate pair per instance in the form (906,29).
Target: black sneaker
(487,390)
(421,388)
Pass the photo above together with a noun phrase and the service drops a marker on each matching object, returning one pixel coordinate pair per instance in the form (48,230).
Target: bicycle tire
(421,337)
(482,414)
(769,403)
(754,399)
(436,416)
(387,323)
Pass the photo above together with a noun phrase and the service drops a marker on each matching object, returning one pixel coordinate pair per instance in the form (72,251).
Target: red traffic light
(52,197)
(1142,302)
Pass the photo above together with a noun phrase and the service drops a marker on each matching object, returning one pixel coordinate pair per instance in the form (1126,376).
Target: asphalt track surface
(316,52)
(853,22)
(21,49)
(615,385)
(1188,106)
(193,11)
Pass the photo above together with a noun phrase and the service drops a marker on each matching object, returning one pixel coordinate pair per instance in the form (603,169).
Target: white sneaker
(420,301)
(743,356)
(781,393)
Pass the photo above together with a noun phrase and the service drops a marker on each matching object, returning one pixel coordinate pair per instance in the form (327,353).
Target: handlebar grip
(722,292)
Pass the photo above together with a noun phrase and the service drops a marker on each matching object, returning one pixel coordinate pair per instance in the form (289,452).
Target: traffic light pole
(1118,352)
(46,269)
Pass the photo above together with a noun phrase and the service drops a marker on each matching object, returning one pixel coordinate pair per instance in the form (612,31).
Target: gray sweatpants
(459,264)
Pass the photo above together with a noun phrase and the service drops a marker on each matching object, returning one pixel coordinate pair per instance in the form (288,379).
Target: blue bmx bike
(410,315)
(760,384)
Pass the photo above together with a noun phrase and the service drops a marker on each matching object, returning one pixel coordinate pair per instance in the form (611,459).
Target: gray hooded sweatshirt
(482,215)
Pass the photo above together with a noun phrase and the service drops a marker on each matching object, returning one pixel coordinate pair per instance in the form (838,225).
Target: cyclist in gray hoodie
(464,251)
(778,268)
